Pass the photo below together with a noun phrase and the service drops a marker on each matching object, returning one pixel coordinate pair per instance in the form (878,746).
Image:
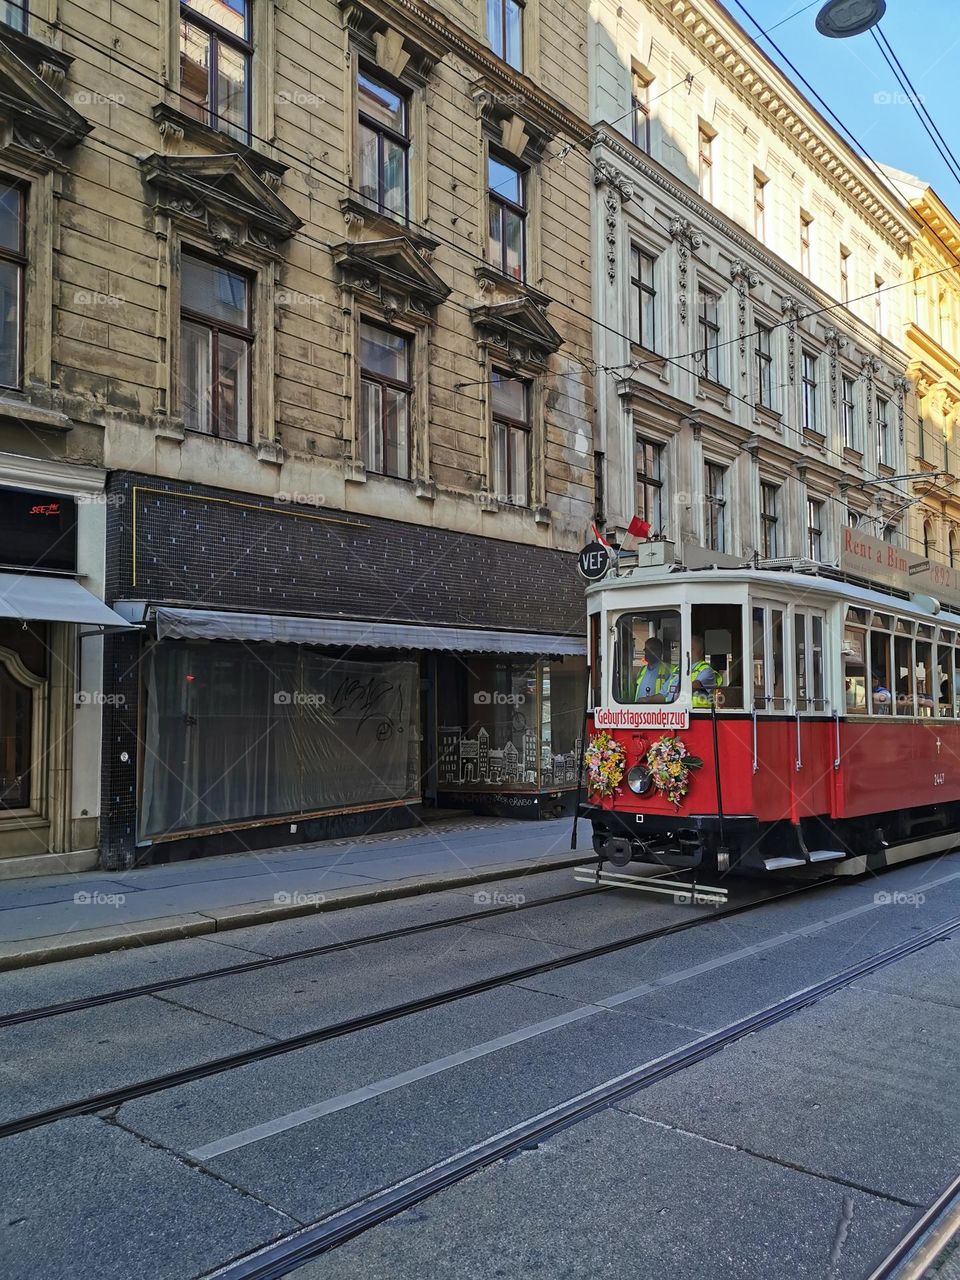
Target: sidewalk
(56,917)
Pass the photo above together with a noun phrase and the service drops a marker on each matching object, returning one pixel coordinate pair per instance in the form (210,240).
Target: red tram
(823,736)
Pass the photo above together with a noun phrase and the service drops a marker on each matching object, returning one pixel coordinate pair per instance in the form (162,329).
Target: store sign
(881,562)
(38,530)
(641,717)
(593,561)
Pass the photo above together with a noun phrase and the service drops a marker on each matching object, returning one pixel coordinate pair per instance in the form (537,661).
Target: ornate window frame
(38,127)
(168,113)
(407,61)
(220,207)
(39,688)
(390,282)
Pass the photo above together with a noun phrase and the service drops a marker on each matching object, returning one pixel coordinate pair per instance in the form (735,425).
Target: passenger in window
(880,696)
(657,681)
(706,681)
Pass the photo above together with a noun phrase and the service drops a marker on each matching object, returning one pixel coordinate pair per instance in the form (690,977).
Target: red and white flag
(600,538)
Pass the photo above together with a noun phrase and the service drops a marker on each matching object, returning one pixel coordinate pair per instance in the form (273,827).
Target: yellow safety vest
(700,698)
(665,673)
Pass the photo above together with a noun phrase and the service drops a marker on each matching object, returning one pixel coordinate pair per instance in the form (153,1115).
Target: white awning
(211,624)
(36,598)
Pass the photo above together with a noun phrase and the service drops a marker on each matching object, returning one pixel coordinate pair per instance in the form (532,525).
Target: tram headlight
(639,780)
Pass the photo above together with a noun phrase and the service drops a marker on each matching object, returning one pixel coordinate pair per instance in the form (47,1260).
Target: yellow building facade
(932,343)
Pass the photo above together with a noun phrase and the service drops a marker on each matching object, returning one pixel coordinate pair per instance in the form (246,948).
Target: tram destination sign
(653,717)
(880,561)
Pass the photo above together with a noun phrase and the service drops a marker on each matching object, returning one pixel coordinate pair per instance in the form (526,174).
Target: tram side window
(855,671)
(903,674)
(716,655)
(596,673)
(926,686)
(768,687)
(881,697)
(647,658)
(946,682)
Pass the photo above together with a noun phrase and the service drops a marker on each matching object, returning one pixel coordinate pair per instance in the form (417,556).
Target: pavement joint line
(116,1123)
(279,1258)
(774,1160)
(355,1097)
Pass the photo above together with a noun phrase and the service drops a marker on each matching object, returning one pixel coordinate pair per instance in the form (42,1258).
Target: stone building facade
(932,341)
(747,277)
(292,284)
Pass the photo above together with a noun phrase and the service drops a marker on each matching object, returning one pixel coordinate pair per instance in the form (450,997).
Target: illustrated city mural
(466,759)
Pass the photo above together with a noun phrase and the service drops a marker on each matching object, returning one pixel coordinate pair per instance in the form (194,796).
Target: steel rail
(267,962)
(925,1238)
(185,1075)
(272,1261)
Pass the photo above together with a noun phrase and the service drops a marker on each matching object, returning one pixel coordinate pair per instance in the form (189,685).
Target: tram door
(772,728)
(813,728)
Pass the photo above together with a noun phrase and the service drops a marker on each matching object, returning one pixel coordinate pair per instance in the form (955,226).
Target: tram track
(268,962)
(115,1097)
(917,1251)
(283,1256)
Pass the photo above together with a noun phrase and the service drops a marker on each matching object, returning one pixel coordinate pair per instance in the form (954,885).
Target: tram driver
(657,681)
(706,680)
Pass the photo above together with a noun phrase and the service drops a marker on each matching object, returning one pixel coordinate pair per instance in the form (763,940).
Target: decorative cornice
(393,271)
(223,196)
(757,79)
(519,328)
(34,119)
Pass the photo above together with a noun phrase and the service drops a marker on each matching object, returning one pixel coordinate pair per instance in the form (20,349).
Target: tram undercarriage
(742,844)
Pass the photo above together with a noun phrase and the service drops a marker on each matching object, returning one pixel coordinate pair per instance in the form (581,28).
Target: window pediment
(519,327)
(512,121)
(403,47)
(34,118)
(392,269)
(224,196)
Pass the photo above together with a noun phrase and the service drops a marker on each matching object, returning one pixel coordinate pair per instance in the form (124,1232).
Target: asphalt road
(801,1151)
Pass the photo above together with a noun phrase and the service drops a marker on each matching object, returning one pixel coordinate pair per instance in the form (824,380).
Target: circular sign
(593,561)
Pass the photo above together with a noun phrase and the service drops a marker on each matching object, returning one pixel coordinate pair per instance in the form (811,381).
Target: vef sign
(870,558)
(593,561)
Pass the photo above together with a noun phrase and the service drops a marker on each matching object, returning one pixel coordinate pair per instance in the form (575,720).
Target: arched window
(927,538)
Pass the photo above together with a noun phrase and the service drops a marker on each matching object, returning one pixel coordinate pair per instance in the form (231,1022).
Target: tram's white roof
(773,583)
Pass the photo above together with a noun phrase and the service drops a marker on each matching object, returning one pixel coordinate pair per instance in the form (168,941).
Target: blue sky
(854,80)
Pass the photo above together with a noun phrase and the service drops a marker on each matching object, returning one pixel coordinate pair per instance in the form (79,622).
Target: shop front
(51,624)
(351,675)
(509,732)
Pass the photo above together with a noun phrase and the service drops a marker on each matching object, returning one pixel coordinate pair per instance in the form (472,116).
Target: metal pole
(583,748)
(716,773)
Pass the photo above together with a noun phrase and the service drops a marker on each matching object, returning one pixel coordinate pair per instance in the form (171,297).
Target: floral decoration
(606,764)
(670,764)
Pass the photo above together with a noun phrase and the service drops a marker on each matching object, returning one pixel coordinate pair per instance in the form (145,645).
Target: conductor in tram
(705,680)
(657,681)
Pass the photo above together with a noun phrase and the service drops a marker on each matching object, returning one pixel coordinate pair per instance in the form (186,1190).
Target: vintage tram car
(826,739)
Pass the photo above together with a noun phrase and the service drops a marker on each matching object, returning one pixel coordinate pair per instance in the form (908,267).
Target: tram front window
(647,662)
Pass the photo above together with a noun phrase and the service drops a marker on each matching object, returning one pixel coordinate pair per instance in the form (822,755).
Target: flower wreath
(670,764)
(606,764)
